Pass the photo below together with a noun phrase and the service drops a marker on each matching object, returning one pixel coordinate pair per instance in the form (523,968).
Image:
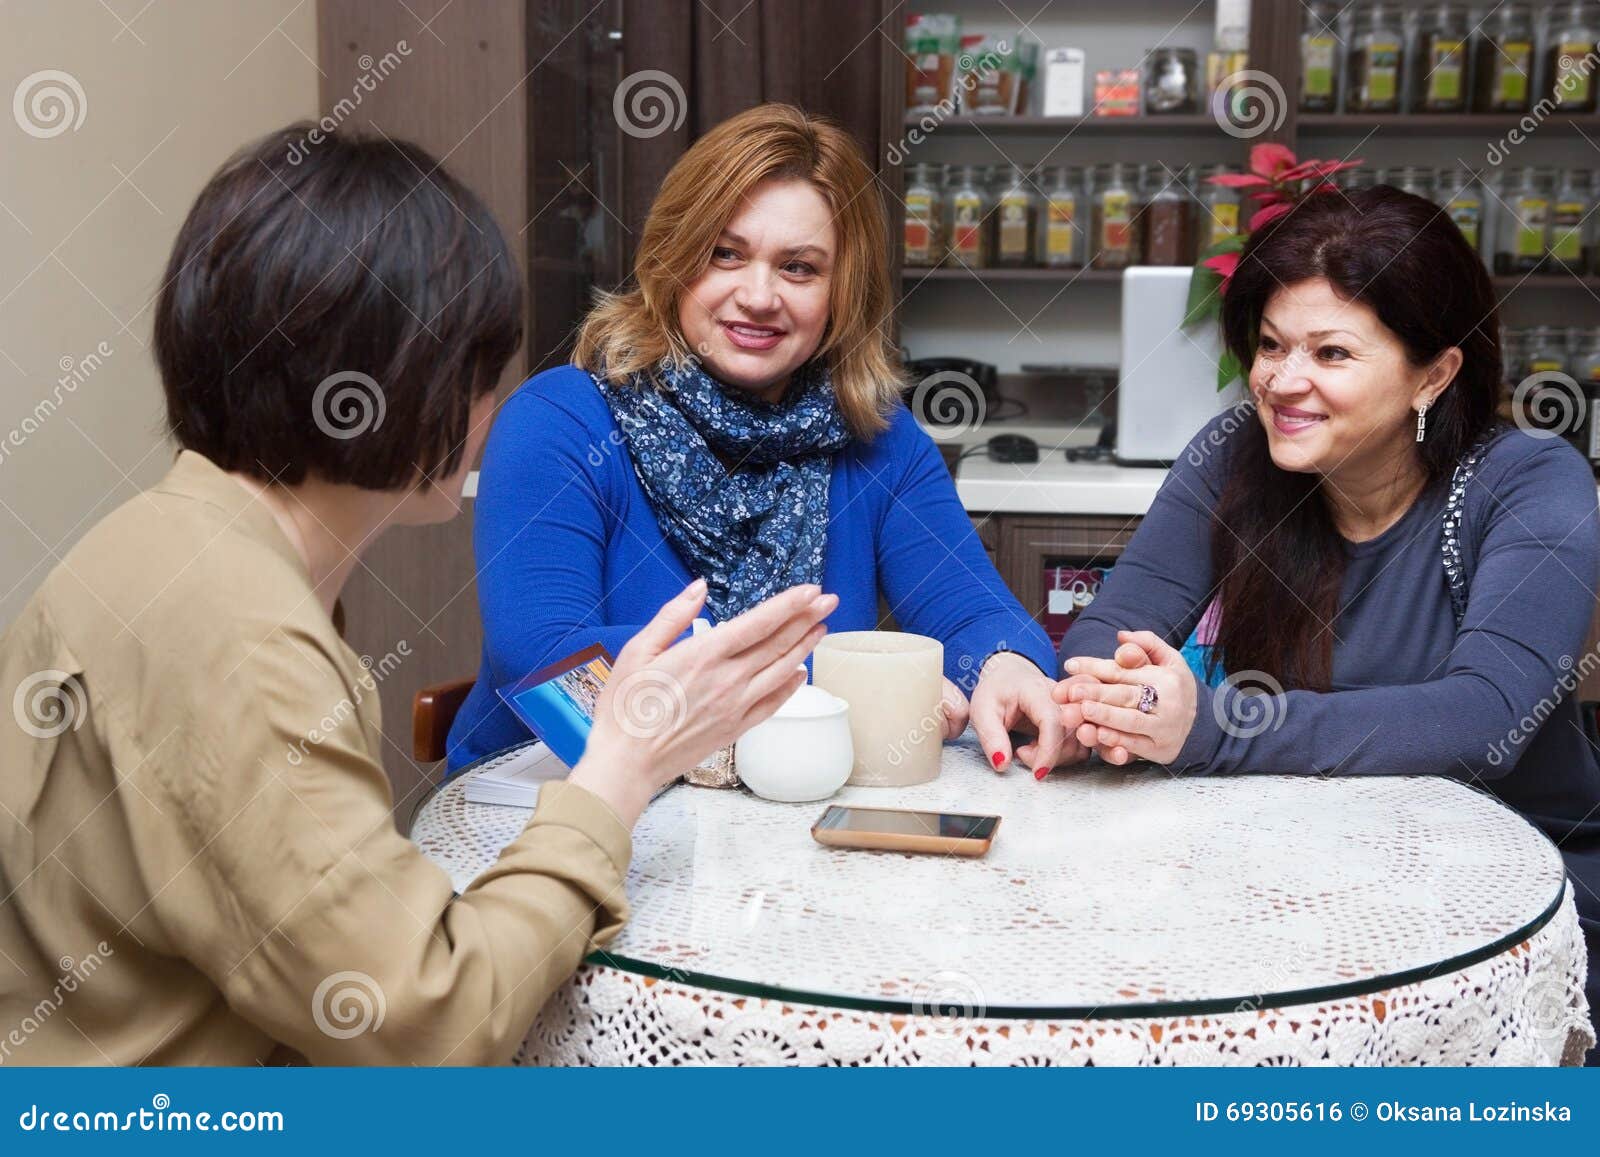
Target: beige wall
(86,219)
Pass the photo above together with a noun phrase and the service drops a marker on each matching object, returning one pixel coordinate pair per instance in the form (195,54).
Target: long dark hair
(1280,558)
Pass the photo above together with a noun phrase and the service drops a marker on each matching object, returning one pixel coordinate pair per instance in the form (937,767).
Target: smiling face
(1334,387)
(760,308)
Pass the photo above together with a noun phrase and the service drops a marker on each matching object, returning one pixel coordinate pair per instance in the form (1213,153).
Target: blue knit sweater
(569,551)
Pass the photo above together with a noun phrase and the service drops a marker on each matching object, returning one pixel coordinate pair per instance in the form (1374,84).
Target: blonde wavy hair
(631,331)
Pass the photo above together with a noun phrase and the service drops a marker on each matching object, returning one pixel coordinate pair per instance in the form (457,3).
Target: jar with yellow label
(1461,197)
(1503,60)
(1547,350)
(1569,217)
(1115,208)
(1061,239)
(1523,235)
(1016,216)
(1377,60)
(1442,60)
(1319,58)
(1570,57)
(968,206)
(1219,209)
(924,228)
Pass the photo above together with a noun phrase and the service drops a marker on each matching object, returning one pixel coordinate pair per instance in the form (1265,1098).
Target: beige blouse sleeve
(274,862)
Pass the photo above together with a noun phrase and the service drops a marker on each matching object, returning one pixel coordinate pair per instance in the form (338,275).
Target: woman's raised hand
(670,704)
(1109,699)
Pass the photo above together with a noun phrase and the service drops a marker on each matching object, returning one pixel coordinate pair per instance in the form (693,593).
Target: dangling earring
(1422,420)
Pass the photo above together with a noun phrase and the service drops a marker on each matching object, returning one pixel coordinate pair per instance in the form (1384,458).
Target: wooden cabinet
(1029,544)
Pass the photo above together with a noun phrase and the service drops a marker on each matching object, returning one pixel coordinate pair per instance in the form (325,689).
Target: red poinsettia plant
(1276,183)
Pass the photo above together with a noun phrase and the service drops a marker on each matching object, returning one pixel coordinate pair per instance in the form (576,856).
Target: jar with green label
(1115,211)
(1460,196)
(1569,220)
(924,228)
(1061,238)
(968,205)
(1016,216)
(1219,208)
(1503,60)
(1522,239)
(1377,59)
(1570,56)
(1442,59)
(1319,58)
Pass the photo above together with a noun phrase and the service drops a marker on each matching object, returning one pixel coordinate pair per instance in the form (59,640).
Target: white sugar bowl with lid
(802,753)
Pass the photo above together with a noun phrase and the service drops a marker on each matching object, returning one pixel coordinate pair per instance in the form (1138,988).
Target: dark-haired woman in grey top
(1409,581)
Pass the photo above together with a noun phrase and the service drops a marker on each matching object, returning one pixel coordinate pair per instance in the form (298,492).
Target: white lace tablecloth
(1121,917)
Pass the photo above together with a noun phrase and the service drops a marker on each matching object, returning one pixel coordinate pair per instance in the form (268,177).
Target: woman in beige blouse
(198,862)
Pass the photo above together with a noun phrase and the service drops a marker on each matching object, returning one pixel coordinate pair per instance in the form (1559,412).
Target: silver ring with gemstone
(1147,698)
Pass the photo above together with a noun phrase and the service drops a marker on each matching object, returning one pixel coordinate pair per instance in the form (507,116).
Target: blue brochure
(557,702)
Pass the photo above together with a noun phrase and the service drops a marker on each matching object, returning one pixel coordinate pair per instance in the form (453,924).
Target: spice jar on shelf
(1546,350)
(1115,210)
(924,228)
(1503,60)
(1569,219)
(1412,179)
(1513,356)
(1586,368)
(1523,234)
(1218,216)
(1061,232)
(1460,195)
(1442,59)
(1016,217)
(1171,81)
(967,203)
(1570,56)
(1319,58)
(1592,246)
(1377,59)
(1167,217)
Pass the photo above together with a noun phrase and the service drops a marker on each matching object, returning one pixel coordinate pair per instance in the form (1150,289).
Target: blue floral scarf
(761,528)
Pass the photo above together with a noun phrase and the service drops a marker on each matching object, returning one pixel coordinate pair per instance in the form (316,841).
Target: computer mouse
(1013,448)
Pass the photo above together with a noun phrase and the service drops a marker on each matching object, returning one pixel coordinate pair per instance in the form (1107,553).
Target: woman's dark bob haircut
(333,310)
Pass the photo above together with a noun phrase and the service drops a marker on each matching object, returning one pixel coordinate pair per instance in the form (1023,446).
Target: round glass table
(1122,916)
